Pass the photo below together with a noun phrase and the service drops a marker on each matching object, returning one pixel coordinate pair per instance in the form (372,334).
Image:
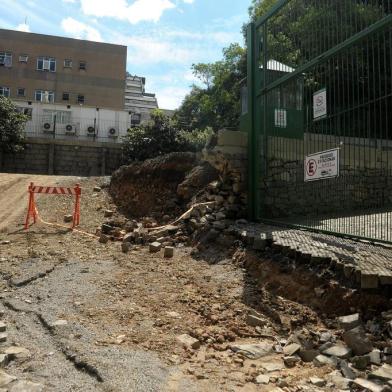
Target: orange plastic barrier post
(32,212)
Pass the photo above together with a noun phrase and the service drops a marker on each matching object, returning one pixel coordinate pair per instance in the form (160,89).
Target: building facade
(49,69)
(137,101)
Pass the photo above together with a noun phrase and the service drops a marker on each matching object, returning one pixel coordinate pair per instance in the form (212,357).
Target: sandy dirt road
(13,195)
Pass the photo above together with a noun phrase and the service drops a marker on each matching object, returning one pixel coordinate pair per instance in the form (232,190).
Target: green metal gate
(319,116)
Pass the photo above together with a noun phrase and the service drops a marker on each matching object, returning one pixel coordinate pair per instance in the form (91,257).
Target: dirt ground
(123,312)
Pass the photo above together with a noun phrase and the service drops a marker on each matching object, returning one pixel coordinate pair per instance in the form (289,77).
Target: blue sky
(164,37)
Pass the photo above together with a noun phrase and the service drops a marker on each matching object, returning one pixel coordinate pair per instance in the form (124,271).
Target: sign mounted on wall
(320,104)
(322,165)
(281,118)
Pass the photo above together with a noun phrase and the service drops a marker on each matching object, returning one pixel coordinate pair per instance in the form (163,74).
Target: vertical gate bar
(253,137)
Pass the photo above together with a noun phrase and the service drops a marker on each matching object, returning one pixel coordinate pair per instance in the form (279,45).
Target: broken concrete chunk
(291,349)
(291,361)
(59,323)
(361,362)
(375,357)
(338,351)
(108,213)
(255,321)
(155,247)
(308,355)
(4,359)
(188,341)
(347,371)
(253,351)
(273,366)
(357,340)
(26,386)
(383,373)
(3,337)
(3,326)
(5,378)
(368,385)
(262,379)
(323,360)
(168,252)
(338,381)
(17,352)
(319,382)
(349,322)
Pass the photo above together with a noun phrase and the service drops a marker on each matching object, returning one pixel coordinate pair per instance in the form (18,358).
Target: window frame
(68,63)
(24,92)
(68,96)
(42,93)
(6,55)
(3,89)
(82,65)
(81,101)
(25,56)
(46,60)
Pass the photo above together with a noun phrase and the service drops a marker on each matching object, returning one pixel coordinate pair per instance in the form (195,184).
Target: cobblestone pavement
(376,225)
(364,263)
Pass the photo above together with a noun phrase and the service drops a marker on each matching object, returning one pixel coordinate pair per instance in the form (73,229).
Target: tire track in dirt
(13,196)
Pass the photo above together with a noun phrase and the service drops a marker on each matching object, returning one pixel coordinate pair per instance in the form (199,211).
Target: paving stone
(155,247)
(349,322)
(168,252)
(338,351)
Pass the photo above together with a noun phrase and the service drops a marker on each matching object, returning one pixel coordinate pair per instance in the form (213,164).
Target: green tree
(12,125)
(216,103)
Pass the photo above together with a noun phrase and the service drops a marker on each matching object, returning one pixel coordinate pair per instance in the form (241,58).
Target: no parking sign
(322,165)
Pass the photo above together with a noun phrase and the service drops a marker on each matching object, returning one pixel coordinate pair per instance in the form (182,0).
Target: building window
(136,118)
(5,91)
(46,64)
(82,65)
(26,111)
(23,58)
(44,96)
(6,59)
(21,92)
(65,96)
(80,98)
(62,116)
(67,63)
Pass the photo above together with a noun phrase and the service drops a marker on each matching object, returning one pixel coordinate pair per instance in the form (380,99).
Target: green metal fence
(319,115)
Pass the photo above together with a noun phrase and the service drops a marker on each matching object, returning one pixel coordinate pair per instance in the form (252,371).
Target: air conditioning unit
(112,132)
(70,129)
(47,127)
(91,131)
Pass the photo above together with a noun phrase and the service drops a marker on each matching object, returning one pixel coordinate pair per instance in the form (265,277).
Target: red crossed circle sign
(311,167)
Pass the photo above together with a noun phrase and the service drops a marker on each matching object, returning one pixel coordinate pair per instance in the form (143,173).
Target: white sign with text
(322,165)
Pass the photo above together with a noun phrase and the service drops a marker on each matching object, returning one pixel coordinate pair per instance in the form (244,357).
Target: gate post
(254,131)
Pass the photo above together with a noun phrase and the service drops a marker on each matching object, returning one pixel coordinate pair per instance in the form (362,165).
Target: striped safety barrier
(52,190)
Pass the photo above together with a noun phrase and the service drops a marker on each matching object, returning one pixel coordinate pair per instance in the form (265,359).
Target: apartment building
(50,69)
(137,101)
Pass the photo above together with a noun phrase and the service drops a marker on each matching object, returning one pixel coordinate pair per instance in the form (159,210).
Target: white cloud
(171,97)
(139,10)
(80,30)
(23,27)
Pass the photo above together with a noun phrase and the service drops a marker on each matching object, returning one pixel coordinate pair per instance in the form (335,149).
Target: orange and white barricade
(32,212)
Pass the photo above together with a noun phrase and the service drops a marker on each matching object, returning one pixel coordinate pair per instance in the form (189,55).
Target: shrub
(12,125)
(160,137)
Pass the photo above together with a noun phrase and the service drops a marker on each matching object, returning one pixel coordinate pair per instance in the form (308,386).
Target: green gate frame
(257,90)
